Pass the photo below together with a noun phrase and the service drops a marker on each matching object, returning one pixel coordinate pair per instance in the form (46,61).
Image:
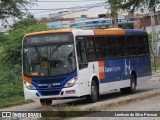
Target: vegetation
(63,111)
(115,6)
(16,100)
(60,111)
(13,8)
(130,5)
(10,60)
(135,4)
(12,48)
(3,37)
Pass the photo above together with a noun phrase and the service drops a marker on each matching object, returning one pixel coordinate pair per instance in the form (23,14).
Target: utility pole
(154,38)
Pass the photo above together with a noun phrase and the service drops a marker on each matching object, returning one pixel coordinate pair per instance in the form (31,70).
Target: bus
(78,63)
(103,23)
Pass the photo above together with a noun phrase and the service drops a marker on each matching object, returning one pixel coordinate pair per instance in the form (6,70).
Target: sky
(43,8)
(54,4)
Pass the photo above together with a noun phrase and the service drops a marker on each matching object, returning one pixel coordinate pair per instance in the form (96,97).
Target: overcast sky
(53,4)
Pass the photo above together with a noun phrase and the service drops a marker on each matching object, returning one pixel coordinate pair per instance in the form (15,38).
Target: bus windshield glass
(48,58)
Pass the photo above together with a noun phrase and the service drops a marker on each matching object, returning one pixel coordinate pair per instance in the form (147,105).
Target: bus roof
(135,32)
(111,31)
(49,32)
(119,31)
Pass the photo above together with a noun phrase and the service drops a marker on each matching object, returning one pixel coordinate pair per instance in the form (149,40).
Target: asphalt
(126,99)
(123,100)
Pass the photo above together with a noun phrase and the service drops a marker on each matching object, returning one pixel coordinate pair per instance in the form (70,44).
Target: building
(57,22)
(103,23)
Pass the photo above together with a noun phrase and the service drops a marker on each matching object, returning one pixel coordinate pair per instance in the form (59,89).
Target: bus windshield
(48,59)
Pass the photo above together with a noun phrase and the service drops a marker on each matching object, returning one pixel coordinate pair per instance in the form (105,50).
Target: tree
(114,9)
(13,44)
(10,60)
(3,37)
(13,8)
(24,23)
(135,4)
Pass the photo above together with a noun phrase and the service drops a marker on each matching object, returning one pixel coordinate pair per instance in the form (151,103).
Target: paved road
(152,84)
(151,104)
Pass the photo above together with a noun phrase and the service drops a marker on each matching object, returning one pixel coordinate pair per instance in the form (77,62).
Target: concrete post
(154,38)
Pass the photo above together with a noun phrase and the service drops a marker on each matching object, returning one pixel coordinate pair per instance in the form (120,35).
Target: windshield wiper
(55,49)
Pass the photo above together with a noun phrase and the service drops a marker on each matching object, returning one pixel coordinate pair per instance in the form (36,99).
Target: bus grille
(46,93)
(49,81)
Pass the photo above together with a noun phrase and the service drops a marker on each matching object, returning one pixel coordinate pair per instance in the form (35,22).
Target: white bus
(84,63)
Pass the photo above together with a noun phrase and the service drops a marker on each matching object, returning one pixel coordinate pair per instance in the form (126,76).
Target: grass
(60,111)
(63,111)
(12,101)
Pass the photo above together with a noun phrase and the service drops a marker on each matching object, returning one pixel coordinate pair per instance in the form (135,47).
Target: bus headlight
(29,85)
(71,82)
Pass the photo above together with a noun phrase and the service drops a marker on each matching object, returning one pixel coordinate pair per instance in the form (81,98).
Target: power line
(69,1)
(70,12)
(70,8)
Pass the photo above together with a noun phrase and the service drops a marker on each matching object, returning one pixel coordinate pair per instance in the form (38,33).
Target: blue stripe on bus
(119,69)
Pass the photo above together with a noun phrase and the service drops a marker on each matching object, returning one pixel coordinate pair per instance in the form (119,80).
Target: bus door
(83,72)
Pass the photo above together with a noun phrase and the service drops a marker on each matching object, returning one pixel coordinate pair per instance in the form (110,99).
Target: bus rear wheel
(132,87)
(94,93)
(45,102)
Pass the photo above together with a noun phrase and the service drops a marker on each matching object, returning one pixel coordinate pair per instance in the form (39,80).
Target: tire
(45,102)
(124,90)
(132,88)
(94,93)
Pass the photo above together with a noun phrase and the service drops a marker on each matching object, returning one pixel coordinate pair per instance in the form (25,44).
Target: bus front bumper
(71,92)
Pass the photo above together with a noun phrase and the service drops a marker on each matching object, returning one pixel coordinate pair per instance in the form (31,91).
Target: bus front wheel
(45,102)
(94,93)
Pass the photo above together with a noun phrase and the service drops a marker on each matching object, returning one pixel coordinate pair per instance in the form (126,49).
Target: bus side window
(101,47)
(140,45)
(90,47)
(112,48)
(81,54)
(131,45)
(121,46)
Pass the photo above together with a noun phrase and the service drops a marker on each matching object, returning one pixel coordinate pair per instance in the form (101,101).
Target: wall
(142,22)
(149,29)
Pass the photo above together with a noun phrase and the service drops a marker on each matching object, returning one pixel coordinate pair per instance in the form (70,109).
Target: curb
(123,100)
